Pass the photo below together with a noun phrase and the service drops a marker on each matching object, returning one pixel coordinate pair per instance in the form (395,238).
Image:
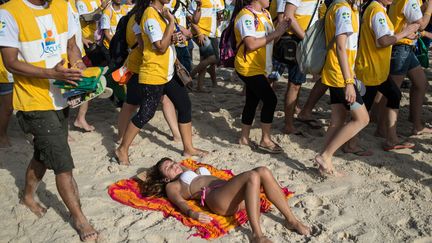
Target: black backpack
(119,49)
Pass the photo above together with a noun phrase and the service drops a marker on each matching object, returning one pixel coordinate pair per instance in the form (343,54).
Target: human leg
(34,174)
(316,93)
(80,120)
(295,80)
(130,106)
(6,111)
(170,115)
(417,95)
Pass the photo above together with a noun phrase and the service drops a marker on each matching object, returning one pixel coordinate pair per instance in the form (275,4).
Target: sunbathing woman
(169,178)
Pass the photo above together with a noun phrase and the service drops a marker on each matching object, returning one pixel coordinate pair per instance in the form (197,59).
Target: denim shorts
(294,74)
(212,48)
(184,57)
(403,59)
(6,88)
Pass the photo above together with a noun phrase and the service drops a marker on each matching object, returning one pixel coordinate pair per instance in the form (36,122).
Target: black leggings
(258,88)
(151,96)
(389,89)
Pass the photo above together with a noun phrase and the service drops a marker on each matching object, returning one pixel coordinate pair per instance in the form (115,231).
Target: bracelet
(349,81)
(76,63)
(426,13)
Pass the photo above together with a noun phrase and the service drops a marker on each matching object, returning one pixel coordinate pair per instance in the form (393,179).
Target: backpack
(227,45)
(312,50)
(118,48)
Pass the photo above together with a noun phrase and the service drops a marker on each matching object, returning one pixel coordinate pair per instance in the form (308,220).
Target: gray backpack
(312,50)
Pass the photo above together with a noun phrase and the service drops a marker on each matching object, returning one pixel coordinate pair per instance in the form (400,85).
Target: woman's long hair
(155,181)
(239,5)
(140,7)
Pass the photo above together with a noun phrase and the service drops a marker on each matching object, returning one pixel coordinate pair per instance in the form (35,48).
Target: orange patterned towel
(127,192)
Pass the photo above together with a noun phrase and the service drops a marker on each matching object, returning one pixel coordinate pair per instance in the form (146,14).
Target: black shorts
(337,96)
(50,131)
(133,91)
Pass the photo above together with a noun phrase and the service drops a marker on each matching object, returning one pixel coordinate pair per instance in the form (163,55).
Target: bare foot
(195,152)
(4,142)
(86,232)
(261,239)
(176,139)
(247,142)
(325,168)
(35,207)
(424,130)
(84,126)
(122,158)
(299,228)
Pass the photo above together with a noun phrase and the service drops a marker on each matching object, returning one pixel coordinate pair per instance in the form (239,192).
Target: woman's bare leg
(123,119)
(170,115)
(275,195)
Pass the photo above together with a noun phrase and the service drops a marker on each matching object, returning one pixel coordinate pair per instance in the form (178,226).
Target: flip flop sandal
(276,149)
(401,145)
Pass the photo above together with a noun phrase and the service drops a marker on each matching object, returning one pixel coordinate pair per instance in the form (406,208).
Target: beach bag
(312,50)
(285,49)
(182,73)
(227,44)
(118,48)
(422,54)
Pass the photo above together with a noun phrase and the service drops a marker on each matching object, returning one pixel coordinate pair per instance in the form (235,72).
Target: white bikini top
(188,176)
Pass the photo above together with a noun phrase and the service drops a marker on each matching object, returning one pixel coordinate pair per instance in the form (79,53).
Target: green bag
(422,53)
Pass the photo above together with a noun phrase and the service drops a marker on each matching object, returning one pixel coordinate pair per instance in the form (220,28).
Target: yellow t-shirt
(208,21)
(110,19)
(41,35)
(304,11)
(134,59)
(5,76)
(156,68)
(86,7)
(376,24)
(347,21)
(403,12)
(258,61)
(180,16)
(78,35)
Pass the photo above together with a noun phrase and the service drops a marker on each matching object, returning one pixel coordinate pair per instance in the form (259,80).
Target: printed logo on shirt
(414,6)
(248,24)
(2,28)
(49,45)
(382,21)
(151,28)
(345,15)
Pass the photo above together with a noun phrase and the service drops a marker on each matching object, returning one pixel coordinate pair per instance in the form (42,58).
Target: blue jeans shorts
(403,59)
(6,88)
(294,74)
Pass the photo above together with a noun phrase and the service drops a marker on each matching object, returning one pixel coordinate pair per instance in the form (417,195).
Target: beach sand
(384,198)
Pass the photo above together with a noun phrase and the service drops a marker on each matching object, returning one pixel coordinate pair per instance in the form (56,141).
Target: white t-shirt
(380,26)
(412,11)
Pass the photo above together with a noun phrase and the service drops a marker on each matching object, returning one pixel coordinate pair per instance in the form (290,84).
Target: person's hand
(350,94)
(282,26)
(86,42)
(412,36)
(411,28)
(201,217)
(200,40)
(68,75)
(167,15)
(198,3)
(105,3)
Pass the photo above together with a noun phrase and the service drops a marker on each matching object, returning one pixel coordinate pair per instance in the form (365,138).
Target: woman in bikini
(170,179)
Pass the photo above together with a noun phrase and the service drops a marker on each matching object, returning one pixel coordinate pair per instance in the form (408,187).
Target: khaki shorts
(50,131)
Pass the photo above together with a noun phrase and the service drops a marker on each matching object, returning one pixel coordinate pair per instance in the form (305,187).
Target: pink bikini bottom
(205,190)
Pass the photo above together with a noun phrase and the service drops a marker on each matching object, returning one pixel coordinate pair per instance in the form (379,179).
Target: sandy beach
(384,198)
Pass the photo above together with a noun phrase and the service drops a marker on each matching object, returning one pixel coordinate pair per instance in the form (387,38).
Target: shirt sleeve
(293,2)
(246,26)
(343,21)
(412,11)
(105,21)
(136,29)
(72,26)
(9,32)
(192,6)
(81,7)
(380,26)
(153,30)
(280,5)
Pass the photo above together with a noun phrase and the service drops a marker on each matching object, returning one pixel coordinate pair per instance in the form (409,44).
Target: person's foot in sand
(298,227)
(34,206)
(422,130)
(260,239)
(86,231)
(247,142)
(122,156)
(267,145)
(83,125)
(326,168)
(195,152)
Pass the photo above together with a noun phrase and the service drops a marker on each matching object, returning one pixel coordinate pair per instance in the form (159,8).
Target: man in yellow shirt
(36,56)
(110,18)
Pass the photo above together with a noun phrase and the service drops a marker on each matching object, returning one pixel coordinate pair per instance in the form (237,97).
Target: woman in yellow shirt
(341,30)
(375,46)
(254,34)
(157,77)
